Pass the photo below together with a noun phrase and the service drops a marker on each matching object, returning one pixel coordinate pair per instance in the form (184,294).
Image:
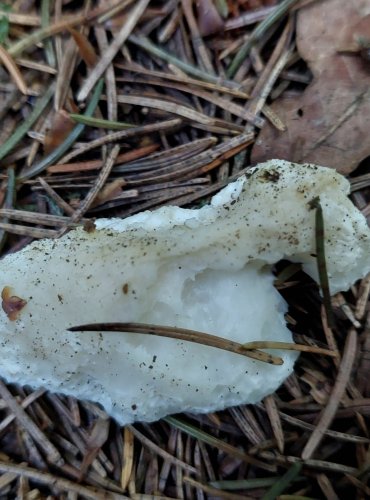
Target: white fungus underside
(205,269)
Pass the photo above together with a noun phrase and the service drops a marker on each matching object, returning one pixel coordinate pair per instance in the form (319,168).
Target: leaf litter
(328,124)
(110,108)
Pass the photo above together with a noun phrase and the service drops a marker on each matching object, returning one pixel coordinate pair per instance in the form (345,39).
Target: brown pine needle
(180,334)
(289,346)
(7,60)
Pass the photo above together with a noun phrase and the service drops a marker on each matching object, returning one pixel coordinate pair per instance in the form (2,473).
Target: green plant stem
(67,143)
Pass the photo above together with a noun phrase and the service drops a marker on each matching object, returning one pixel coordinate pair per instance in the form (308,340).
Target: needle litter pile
(110,108)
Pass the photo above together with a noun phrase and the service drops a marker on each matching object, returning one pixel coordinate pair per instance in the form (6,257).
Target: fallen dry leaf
(60,128)
(328,124)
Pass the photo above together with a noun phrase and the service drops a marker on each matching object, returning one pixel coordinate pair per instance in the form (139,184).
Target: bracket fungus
(206,269)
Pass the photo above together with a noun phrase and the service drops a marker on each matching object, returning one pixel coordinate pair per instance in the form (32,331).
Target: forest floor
(194,94)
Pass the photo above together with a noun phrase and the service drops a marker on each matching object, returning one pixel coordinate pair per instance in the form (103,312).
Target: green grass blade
(284,482)
(100,122)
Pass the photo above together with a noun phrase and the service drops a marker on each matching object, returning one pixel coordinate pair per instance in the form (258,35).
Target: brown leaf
(60,128)
(86,50)
(328,124)
(11,304)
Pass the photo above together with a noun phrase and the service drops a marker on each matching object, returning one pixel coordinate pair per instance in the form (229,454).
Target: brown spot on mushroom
(125,288)
(11,304)
(89,226)
(270,176)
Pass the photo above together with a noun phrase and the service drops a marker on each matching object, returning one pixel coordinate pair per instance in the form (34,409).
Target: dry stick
(110,80)
(7,479)
(162,453)
(198,165)
(199,47)
(34,217)
(52,454)
(223,103)
(112,50)
(33,232)
(82,166)
(11,66)
(98,184)
(31,398)
(180,334)
(275,421)
(363,297)
(289,346)
(338,436)
(339,388)
(175,108)
(135,131)
(326,486)
(315,464)
(185,80)
(168,156)
(37,36)
(127,457)
(63,205)
(250,17)
(245,425)
(59,483)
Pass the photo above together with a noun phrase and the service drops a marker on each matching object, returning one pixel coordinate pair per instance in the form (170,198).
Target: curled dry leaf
(329,122)
(11,304)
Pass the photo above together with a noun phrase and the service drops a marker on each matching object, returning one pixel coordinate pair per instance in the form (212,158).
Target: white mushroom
(206,269)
